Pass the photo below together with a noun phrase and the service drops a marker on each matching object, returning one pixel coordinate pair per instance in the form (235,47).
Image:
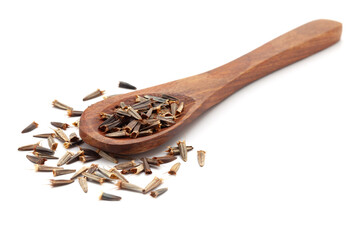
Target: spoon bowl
(201,92)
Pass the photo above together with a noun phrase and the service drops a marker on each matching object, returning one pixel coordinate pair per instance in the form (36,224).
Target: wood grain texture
(201,92)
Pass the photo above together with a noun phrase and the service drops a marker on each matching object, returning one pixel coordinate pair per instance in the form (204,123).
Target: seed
(118,175)
(107,173)
(57,183)
(125,165)
(44,135)
(106,156)
(43,150)
(117,134)
(146,166)
(122,112)
(59,134)
(173,107)
(152,185)
(52,144)
(92,95)
(60,105)
(165,159)
(169,97)
(83,184)
(85,159)
(48,157)
(138,169)
(74,113)
(73,137)
(153,161)
(92,168)
(73,144)
(31,127)
(134,113)
(201,157)
(126,85)
(29,147)
(123,105)
(75,157)
(89,152)
(158,192)
(58,172)
(43,168)
(157,99)
(145,133)
(174,169)
(180,108)
(128,186)
(183,151)
(109,197)
(110,126)
(135,131)
(36,160)
(60,125)
(93,177)
(79,172)
(65,158)
(176,151)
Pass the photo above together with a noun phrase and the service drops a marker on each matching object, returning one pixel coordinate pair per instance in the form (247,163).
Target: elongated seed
(58,182)
(83,184)
(109,197)
(176,151)
(117,134)
(79,172)
(125,165)
(60,105)
(92,95)
(92,168)
(158,192)
(152,185)
(85,159)
(59,134)
(89,152)
(138,169)
(36,160)
(73,144)
(174,107)
(44,135)
(165,159)
(74,113)
(60,125)
(73,137)
(180,108)
(43,150)
(145,133)
(93,177)
(126,85)
(58,172)
(174,169)
(48,157)
(75,157)
(135,132)
(146,166)
(29,147)
(183,151)
(128,186)
(134,113)
(106,156)
(153,162)
(108,173)
(65,158)
(52,144)
(201,157)
(118,175)
(31,127)
(43,168)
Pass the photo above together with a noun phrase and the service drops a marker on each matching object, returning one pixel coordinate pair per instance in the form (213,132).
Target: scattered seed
(109,197)
(158,192)
(85,159)
(201,157)
(57,183)
(43,168)
(60,125)
(73,137)
(31,127)
(73,144)
(79,172)
(124,165)
(59,134)
(93,177)
(146,166)
(48,157)
(36,160)
(165,159)
(92,95)
(183,151)
(128,186)
(138,169)
(92,168)
(176,151)
(152,185)
(60,105)
(126,85)
(83,184)
(43,150)
(74,113)
(174,169)
(29,147)
(118,175)
(44,135)
(75,157)
(58,172)
(52,144)
(106,156)
(65,158)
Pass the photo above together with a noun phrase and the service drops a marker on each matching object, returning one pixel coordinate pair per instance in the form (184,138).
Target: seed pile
(146,116)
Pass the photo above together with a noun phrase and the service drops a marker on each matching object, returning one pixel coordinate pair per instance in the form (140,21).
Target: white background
(283,153)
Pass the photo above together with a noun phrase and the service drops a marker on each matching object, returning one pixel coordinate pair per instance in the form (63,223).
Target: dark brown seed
(130,125)
(110,126)
(124,165)
(169,97)
(117,134)
(145,133)
(75,157)
(85,159)
(134,113)
(58,172)
(43,168)
(165,159)
(74,113)
(57,183)
(109,197)
(31,127)
(92,95)
(44,135)
(176,151)
(43,150)
(135,131)
(138,169)
(158,192)
(52,144)
(36,160)
(89,152)
(146,166)
(126,85)
(29,147)
(48,157)
(153,162)
(60,105)
(73,144)
(60,125)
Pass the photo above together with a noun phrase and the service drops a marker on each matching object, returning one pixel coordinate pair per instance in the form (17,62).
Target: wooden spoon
(201,92)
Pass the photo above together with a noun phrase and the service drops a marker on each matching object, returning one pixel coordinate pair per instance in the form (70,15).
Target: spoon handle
(221,82)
